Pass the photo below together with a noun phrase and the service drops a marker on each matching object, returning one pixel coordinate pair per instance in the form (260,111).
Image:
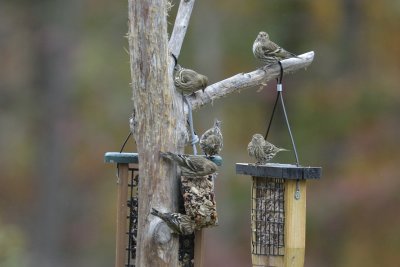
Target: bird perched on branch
(211,141)
(267,51)
(262,150)
(188,81)
(180,224)
(192,166)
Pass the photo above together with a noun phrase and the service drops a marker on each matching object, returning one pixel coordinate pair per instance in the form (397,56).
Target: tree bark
(159,125)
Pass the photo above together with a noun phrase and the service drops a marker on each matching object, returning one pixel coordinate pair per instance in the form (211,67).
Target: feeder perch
(127,213)
(278,212)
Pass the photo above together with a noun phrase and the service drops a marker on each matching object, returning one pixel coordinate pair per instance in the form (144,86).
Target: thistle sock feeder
(127,209)
(198,201)
(278,212)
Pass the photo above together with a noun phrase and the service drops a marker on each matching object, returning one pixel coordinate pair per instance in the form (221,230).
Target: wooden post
(295,224)
(122,212)
(198,248)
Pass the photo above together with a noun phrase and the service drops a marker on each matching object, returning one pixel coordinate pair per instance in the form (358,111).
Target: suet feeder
(127,210)
(278,212)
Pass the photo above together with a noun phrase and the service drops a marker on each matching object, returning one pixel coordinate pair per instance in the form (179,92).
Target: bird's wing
(194,163)
(250,149)
(272,49)
(188,75)
(268,147)
(205,135)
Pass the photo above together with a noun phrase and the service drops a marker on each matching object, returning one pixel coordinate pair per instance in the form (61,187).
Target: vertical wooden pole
(295,224)
(122,212)
(198,248)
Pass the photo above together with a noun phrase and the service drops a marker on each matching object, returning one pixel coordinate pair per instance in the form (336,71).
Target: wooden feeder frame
(290,180)
(127,212)
(127,200)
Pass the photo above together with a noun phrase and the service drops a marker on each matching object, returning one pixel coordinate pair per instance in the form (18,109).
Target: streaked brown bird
(179,223)
(262,150)
(267,51)
(192,166)
(211,142)
(188,81)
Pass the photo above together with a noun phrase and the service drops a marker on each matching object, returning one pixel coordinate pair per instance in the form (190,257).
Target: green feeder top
(116,157)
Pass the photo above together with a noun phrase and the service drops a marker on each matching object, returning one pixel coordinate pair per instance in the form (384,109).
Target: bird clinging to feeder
(179,223)
(267,51)
(188,81)
(262,150)
(192,166)
(211,142)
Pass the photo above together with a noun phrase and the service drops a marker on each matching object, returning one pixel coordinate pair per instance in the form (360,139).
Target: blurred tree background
(65,100)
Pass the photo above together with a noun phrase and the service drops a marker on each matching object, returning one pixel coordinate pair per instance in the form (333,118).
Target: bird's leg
(263,68)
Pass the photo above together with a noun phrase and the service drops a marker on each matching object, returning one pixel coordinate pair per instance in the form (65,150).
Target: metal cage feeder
(278,212)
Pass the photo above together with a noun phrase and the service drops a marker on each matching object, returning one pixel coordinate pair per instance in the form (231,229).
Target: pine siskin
(262,150)
(267,51)
(188,81)
(192,166)
(211,141)
(179,223)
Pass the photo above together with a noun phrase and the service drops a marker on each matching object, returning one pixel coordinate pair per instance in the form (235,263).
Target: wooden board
(116,157)
(266,261)
(122,212)
(198,248)
(295,224)
(279,171)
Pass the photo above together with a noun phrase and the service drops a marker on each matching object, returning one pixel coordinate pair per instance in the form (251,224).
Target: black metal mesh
(186,242)
(132,204)
(268,216)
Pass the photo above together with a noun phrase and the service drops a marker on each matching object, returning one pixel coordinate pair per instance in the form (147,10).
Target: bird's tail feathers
(168,155)
(217,123)
(155,212)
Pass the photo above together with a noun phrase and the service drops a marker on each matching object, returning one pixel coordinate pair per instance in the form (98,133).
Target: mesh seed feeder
(278,212)
(127,209)
(127,206)
(278,205)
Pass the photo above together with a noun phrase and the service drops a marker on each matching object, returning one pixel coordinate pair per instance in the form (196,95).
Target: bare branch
(180,26)
(246,80)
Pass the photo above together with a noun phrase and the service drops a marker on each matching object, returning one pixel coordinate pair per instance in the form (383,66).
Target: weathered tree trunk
(159,125)
(159,121)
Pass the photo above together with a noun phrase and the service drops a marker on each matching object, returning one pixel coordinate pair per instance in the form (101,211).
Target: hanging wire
(290,132)
(126,140)
(272,115)
(120,151)
(280,96)
(195,138)
(279,82)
